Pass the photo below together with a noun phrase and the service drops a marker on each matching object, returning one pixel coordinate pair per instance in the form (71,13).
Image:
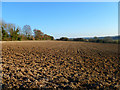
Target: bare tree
(27,30)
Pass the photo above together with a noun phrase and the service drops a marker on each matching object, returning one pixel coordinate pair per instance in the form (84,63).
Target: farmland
(60,64)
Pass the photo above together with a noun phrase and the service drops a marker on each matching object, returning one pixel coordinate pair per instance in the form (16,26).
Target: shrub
(64,39)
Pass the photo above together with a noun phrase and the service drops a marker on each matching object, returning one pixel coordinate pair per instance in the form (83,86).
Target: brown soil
(59,64)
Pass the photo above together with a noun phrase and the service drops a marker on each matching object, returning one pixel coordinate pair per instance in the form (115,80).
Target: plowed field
(57,64)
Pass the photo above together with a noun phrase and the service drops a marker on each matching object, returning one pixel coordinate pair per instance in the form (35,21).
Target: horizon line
(90,36)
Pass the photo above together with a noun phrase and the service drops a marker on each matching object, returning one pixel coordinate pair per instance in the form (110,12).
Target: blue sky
(60,0)
(64,19)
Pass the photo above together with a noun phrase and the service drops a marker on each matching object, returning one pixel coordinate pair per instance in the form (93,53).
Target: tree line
(95,39)
(10,32)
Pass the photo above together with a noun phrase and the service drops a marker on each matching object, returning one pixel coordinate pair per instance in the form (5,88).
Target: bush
(78,39)
(64,39)
(19,38)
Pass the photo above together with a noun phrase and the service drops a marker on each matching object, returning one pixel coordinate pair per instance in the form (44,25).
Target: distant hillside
(106,39)
(112,37)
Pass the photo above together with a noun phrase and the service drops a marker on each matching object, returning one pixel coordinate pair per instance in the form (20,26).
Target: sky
(64,19)
(60,0)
